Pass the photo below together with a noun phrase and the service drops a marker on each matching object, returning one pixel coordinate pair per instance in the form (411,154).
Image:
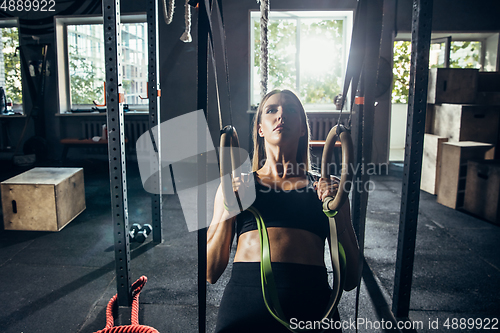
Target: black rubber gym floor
(62,281)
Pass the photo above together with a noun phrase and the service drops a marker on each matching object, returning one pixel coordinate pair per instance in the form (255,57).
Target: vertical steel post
(202,101)
(417,103)
(365,113)
(116,148)
(358,219)
(357,50)
(154,115)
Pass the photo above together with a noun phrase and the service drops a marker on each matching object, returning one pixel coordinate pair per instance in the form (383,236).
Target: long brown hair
(259,149)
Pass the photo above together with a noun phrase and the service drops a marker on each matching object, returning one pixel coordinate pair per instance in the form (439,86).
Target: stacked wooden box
(431,162)
(458,129)
(482,190)
(453,171)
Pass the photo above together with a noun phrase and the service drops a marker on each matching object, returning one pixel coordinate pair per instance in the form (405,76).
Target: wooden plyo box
(452,85)
(459,122)
(429,118)
(488,81)
(482,189)
(488,97)
(453,171)
(431,162)
(43,199)
(488,88)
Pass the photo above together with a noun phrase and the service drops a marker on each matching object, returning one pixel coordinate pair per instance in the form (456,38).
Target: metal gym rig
(362,134)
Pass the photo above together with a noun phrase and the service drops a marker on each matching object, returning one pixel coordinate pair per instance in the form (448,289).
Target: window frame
(449,37)
(345,15)
(447,48)
(62,55)
(13,22)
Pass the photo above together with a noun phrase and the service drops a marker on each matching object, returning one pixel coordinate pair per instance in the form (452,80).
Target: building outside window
(85,62)
(307,53)
(86,65)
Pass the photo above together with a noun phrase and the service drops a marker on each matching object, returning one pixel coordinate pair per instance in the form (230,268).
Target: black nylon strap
(353,77)
(220,17)
(222,30)
(356,56)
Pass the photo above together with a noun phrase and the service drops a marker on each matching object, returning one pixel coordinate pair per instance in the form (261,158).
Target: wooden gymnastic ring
(228,164)
(339,133)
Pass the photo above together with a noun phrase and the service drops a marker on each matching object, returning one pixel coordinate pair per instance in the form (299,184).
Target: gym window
(307,53)
(459,50)
(80,57)
(10,67)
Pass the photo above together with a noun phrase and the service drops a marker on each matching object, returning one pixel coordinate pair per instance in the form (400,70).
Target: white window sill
(12,115)
(98,114)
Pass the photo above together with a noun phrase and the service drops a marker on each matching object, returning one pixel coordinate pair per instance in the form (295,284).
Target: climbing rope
(186,36)
(134,327)
(264,46)
(168,13)
(168,10)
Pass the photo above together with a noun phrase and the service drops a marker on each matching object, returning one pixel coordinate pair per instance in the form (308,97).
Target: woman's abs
(286,244)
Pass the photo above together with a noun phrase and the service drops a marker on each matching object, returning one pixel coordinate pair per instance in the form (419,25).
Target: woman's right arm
(219,239)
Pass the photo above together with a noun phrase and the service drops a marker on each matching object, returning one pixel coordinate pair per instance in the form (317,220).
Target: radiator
(133,130)
(92,128)
(320,124)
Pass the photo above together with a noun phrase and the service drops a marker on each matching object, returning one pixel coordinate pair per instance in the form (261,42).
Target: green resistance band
(269,290)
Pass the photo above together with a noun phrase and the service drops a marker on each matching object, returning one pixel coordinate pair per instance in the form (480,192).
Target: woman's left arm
(345,231)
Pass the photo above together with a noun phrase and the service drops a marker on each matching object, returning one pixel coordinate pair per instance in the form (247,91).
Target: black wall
(455,15)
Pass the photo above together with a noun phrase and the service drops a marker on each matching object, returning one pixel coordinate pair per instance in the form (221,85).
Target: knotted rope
(168,13)
(186,36)
(168,10)
(134,327)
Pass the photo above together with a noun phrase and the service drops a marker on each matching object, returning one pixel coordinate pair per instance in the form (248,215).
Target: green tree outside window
(314,69)
(463,54)
(12,65)
(85,85)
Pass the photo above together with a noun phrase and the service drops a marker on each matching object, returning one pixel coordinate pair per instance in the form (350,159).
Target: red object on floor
(134,327)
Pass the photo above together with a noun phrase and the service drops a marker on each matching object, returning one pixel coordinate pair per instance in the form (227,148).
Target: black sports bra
(300,209)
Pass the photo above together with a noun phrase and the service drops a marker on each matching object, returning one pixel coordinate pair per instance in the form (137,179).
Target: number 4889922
(28,5)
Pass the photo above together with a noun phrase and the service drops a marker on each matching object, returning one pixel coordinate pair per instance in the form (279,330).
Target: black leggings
(303,292)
